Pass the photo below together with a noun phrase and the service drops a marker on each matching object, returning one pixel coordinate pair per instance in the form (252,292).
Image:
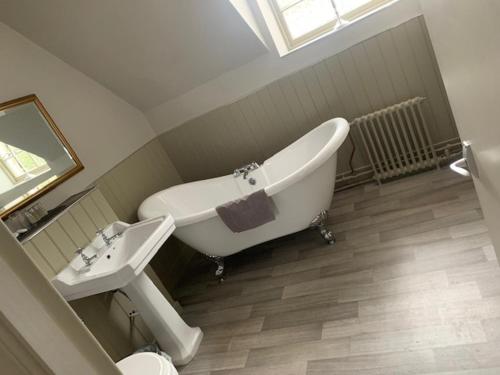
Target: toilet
(146,364)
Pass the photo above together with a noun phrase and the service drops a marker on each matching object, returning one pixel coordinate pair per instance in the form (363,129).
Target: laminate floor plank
(327,283)
(412,286)
(296,303)
(232,329)
(468,357)
(333,258)
(216,361)
(386,363)
(466,293)
(294,368)
(384,322)
(221,316)
(425,337)
(427,225)
(277,337)
(311,314)
(443,262)
(311,350)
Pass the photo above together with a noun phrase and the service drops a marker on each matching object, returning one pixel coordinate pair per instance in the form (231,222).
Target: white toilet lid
(145,364)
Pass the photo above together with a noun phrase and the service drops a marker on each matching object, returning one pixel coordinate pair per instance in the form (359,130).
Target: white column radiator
(397,140)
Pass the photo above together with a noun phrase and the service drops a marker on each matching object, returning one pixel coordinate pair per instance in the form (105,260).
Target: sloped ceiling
(146,51)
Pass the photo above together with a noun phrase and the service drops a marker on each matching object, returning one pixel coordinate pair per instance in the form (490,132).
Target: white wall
(41,333)
(248,78)
(469,58)
(101,127)
(248,13)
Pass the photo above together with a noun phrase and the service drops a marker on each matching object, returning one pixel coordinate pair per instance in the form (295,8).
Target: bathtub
(300,179)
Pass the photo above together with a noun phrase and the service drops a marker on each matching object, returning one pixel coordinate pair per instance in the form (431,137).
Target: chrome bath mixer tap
(245,170)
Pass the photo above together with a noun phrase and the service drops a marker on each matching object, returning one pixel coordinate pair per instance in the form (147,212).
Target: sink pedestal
(174,336)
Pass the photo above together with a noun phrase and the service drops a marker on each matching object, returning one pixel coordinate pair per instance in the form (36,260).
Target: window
(303,20)
(20,165)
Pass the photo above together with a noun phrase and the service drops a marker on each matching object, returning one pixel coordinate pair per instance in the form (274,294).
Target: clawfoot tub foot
(219,262)
(319,222)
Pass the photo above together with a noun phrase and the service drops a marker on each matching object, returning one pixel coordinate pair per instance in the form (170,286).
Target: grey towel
(247,213)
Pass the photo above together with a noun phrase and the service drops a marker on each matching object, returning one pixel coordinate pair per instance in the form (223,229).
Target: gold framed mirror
(34,155)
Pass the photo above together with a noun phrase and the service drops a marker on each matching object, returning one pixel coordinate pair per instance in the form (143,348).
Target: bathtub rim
(330,147)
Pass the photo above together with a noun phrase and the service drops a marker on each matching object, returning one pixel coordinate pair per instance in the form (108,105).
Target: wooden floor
(411,287)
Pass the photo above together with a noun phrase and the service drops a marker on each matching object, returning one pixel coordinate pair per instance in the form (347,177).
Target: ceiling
(146,51)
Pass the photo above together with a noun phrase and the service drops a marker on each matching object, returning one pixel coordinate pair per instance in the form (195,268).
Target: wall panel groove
(390,67)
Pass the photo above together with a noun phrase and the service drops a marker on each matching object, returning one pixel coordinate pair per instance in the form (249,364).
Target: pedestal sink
(120,265)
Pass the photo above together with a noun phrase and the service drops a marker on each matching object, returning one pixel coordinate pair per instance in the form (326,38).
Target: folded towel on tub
(247,213)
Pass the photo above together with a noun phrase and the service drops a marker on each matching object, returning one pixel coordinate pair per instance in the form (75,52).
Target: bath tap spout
(245,170)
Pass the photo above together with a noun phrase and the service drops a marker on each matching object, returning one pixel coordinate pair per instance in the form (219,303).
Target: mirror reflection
(34,156)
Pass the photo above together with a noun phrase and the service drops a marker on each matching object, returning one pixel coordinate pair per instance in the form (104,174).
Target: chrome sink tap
(86,259)
(245,170)
(108,240)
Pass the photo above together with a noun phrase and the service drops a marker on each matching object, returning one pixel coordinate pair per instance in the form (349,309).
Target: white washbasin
(117,264)
(120,265)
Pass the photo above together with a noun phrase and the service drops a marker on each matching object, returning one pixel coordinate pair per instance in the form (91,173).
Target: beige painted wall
(141,174)
(39,332)
(102,128)
(238,83)
(385,69)
(125,186)
(469,58)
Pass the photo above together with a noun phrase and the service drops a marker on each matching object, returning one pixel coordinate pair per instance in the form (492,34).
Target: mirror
(34,155)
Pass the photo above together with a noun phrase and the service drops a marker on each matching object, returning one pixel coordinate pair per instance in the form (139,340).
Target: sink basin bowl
(117,264)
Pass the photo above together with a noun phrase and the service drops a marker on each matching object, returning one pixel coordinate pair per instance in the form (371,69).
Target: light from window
(303,20)
(20,165)
(305,16)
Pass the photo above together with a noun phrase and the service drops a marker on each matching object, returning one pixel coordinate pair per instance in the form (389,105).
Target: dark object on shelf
(53,215)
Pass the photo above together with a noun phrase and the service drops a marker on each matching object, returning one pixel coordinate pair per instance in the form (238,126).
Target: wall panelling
(388,68)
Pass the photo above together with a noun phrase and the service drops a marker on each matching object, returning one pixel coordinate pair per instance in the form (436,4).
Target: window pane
(26,161)
(4,151)
(307,16)
(346,6)
(286,3)
(14,167)
(38,160)
(19,162)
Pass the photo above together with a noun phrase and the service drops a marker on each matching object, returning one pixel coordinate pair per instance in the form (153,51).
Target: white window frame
(13,154)
(293,43)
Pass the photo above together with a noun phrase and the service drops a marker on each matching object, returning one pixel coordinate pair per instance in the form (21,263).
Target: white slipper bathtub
(300,179)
